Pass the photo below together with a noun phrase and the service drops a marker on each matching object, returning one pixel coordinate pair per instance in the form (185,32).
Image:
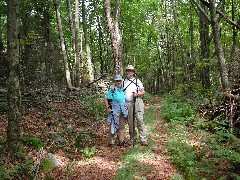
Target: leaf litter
(44,122)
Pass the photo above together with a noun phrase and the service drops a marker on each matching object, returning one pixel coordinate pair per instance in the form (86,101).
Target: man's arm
(139,93)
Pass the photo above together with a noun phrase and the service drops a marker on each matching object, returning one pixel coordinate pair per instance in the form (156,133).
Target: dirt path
(104,164)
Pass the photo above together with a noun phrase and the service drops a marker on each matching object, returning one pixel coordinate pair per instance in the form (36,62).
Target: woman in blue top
(117,112)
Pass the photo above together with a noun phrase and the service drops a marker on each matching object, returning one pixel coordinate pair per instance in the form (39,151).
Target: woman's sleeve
(108,95)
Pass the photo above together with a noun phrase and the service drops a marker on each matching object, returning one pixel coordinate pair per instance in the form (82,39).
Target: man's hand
(136,94)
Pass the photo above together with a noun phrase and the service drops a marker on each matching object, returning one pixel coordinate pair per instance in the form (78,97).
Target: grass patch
(133,164)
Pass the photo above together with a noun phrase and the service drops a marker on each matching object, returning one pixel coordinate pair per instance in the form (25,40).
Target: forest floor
(60,126)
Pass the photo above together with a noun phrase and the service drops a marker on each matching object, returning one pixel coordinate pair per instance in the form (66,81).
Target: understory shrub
(199,153)
(175,110)
(35,142)
(95,106)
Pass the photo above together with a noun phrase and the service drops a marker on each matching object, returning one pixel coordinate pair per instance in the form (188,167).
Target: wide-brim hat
(130,67)
(118,78)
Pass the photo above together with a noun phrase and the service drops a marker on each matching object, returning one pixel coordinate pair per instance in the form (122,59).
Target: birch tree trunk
(116,39)
(13,93)
(71,23)
(72,30)
(88,49)
(218,45)
(63,47)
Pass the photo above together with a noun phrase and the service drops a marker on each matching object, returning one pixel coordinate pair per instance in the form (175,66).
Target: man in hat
(117,112)
(134,91)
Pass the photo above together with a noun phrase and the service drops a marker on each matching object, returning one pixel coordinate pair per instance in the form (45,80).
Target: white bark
(63,47)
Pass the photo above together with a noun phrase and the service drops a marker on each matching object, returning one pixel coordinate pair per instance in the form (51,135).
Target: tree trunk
(160,75)
(204,46)
(100,44)
(64,51)
(191,29)
(72,30)
(14,94)
(116,39)
(48,64)
(192,61)
(183,59)
(218,45)
(77,55)
(234,33)
(88,49)
(27,71)
(1,41)
(71,23)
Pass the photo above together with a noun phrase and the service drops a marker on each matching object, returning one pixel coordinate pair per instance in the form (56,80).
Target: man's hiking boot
(144,143)
(123,144)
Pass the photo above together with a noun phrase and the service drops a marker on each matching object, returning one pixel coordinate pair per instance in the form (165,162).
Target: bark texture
(14,94)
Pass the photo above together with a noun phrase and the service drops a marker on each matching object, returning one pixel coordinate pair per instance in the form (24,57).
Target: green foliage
(147,96)
(209,155)
(83,139)
(132,165)
(149,118)
(194,94)
(222,147)
(177,176)
(178,112)
(35,142)
(47,114)
(47,164)
(88,152)
(5,172)
(69,129)
(95,106)
(213,125)
(184,157)
(22,168)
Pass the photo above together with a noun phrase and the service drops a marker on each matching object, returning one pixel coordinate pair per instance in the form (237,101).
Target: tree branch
(202,10)
(224,16)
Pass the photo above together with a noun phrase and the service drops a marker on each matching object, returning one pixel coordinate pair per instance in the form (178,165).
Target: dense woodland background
(171,43)
(188,46)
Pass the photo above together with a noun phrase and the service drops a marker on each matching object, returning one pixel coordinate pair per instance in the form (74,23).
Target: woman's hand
(112,87)
(109,110)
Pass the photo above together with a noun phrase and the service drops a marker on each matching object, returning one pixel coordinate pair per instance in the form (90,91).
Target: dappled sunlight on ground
(104,163)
